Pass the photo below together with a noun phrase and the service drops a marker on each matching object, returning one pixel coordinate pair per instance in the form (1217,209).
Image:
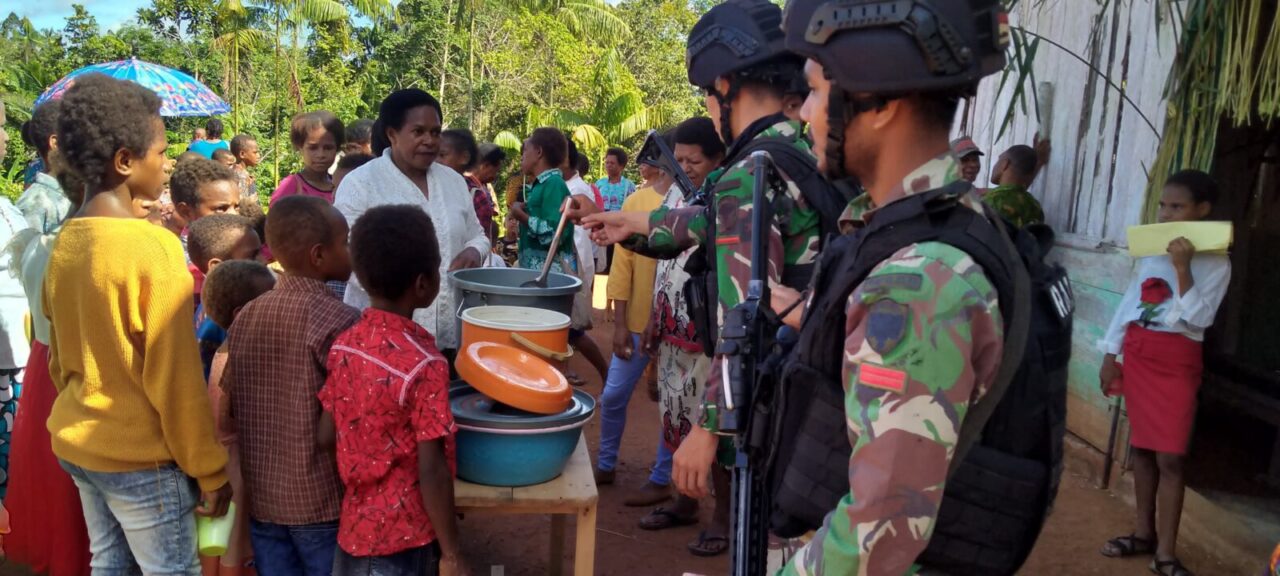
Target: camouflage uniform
(1016,204)
(923,341)
(794,236)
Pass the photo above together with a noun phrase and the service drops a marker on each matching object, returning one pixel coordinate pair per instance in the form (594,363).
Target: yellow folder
(1154,239)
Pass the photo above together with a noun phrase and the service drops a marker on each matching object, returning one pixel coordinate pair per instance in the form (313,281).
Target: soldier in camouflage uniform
(1012,175)
(736,55)
(923,334)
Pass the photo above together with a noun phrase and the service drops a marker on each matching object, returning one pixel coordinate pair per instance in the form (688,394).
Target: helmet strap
(726,109)
(841,110)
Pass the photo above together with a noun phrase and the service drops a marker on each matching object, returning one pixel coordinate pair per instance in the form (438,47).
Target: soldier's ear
(885,115)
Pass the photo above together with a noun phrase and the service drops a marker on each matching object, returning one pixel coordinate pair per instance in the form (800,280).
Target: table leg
(556,563)
(584,555)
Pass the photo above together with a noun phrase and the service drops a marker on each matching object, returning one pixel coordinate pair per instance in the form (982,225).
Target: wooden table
(573,493)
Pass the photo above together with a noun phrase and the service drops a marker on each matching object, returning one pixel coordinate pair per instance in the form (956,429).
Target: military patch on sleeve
(886,325)
(876,376)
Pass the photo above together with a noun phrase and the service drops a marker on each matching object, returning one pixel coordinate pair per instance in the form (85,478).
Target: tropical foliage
(499,67)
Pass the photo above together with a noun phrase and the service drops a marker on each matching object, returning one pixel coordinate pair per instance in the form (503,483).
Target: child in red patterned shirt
(387,401)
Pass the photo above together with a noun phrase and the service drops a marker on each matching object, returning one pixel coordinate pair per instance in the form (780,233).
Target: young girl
(539,214)
(1159,328)
(316,136)
(131,422)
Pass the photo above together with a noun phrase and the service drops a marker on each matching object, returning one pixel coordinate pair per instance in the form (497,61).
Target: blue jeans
(660,474)
(421,561)
(618,386)
(306,550)
(139,522)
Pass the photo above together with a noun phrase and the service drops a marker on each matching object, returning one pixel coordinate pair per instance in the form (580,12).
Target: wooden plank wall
(1093,187)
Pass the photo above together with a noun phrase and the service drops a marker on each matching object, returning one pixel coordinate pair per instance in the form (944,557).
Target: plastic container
(214,534)
(501,287)
(542,332)
(514,377)
(502,446)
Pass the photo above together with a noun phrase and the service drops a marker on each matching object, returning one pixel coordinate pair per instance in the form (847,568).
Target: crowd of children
(164,398)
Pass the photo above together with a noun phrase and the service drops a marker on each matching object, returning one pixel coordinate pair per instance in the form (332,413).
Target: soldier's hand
(580,208)
(783,297)
(691,466)
(1181,251)
(1108,374)
(614,227)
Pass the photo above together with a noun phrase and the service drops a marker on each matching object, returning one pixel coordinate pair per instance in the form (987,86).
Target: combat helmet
(743,40)
(895,48)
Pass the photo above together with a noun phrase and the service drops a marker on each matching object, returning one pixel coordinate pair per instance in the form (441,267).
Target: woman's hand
(614,227)
(1108,374)
(651,337)
(519,211)
(622,344)
(467,258)
(1181,251)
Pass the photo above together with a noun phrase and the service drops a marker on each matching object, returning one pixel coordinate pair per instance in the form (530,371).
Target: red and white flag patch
(877,376)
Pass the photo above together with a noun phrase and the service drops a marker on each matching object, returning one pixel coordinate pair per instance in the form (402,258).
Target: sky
(110,13)
(53,13)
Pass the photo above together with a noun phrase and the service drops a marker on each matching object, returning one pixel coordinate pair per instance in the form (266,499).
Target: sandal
(1169,568)
(707,544)
(574,379)
(1126,546)
(663,518)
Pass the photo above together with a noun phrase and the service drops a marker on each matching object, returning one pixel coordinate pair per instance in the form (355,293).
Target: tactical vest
(998,491)
(825,198)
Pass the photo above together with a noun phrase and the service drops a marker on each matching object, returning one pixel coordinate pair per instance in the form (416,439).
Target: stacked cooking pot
(518,419)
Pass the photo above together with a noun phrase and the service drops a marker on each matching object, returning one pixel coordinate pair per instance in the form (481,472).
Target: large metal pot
(501,287)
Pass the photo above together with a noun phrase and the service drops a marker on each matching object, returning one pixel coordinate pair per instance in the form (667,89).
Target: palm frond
(374,9)
(589,137)
(320,11)
(596,19)
(508,141)
(245,39)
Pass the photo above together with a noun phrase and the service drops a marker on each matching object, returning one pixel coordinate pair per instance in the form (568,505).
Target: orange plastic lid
(515,378)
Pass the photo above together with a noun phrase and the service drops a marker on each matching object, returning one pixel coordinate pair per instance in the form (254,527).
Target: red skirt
(1162,373)
(48,531)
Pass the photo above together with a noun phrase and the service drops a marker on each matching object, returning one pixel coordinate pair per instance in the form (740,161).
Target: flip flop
(1126,546)
(662,518)
(707,545)
(1169,568)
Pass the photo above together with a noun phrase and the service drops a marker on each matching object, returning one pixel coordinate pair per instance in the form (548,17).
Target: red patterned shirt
(485,210)
(388,390)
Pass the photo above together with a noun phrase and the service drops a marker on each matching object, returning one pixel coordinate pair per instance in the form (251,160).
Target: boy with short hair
(347,164)
(131,423)
(245,149)
(224,157)
(387,400)
(200,187)
(211,241)
(278,347)
(230,287)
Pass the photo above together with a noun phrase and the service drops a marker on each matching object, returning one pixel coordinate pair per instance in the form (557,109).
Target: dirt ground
(518,545)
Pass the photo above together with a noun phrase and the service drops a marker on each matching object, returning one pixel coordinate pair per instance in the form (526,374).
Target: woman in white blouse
(406,172)
(1159,327)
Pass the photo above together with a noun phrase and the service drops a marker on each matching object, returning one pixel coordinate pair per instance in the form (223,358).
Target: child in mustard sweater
(132,423)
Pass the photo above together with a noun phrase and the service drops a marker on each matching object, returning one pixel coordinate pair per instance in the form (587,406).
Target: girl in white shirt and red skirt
(1159,329)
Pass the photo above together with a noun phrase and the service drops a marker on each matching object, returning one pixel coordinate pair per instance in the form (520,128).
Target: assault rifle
(744,342)
(656,153)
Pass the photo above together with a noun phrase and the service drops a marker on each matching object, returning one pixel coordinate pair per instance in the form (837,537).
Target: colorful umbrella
(181,94)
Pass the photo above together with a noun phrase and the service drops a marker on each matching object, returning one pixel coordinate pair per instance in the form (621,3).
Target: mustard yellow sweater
(122,353)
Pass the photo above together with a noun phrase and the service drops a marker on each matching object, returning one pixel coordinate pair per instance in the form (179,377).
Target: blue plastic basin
(498,459)
(502,446)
